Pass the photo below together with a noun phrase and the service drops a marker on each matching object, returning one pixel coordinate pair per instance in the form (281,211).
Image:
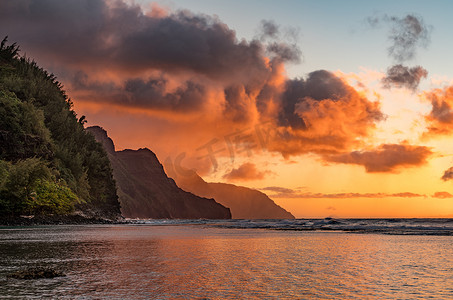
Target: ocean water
(383,226)
(302,259)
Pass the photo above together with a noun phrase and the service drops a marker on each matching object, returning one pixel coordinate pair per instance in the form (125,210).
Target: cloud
(322,114)
(113,52)
(319,85)
(160,60)
(280,43)
(442,195)
(152,93)
(405,35)
(113,34)
(296,195)
(279,190)
(238,101)
(440,119)
(448,174)
(385,158)
(189,73)
(268,29)
(402,76)
(282,192)
(247,171)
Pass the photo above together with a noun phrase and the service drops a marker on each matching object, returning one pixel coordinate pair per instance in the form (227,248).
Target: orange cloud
(442,195)
(346,195)
(386,158)
(180,72)
(440,119)
(281,192)
(247,171)
(322,114)
(448,174)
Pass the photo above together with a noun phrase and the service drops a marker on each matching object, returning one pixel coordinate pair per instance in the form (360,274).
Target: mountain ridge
(244,203)
(145,191)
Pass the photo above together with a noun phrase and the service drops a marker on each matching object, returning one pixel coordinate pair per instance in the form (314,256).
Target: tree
(44,147)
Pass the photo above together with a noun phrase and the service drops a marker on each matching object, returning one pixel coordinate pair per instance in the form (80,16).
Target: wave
(382,226)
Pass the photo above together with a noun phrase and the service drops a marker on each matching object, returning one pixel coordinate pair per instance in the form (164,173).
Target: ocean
(233,259)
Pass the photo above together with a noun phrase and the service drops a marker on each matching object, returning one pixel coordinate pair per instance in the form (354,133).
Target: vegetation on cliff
(49,164)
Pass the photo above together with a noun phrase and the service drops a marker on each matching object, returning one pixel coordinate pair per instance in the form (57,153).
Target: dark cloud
(442,111)
(406,35)
(284,52)
(112,51)
(237,103)
(117,35)
(247,171)
(319,85)
(81,81)
(448,174)
(322,114)
(440,119)
(268,29)
(152,93)
(191,64)
(442,195)
(294,93)
(402,76)
(279,190)
(280,44)
(323,84)
(386,158)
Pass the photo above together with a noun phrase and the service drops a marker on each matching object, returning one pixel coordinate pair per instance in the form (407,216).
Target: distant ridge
(145,191)
(244,203)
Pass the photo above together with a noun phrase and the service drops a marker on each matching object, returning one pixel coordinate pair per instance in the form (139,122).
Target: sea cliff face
(244,203)
(145,191)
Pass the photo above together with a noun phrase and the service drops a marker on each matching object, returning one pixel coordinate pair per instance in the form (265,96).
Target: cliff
(145,191)
(244,203)
(49,165)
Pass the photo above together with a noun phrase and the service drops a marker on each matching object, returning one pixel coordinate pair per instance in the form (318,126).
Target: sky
(332,108)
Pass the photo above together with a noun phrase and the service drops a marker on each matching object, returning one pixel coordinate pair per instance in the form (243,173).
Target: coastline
(57,220)
(422,226)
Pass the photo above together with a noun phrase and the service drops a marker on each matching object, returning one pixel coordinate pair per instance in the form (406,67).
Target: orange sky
(305,174)
(374,142)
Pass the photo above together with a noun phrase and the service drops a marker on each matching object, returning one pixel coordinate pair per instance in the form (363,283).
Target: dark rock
(101,136)
(36,273)
(74,219)
(244,203)
(145,191)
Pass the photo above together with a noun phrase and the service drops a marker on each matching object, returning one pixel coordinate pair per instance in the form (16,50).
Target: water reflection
(168,262)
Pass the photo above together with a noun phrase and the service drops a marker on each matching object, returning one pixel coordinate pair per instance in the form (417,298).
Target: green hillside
(49,164)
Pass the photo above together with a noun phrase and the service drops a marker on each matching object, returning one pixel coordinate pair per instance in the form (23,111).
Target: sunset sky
(332,108)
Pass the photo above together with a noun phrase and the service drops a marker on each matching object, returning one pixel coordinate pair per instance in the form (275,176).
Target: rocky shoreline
(57,220)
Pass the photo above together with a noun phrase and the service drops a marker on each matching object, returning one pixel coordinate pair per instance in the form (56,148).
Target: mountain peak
(145,191)
(101,136)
